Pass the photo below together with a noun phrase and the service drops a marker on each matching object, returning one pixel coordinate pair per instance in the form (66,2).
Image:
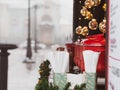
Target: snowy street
(22,76)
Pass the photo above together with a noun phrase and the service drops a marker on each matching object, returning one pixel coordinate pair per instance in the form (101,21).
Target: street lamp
(35,26)
(29,51)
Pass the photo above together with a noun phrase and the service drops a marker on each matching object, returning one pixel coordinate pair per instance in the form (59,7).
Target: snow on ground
(22,76)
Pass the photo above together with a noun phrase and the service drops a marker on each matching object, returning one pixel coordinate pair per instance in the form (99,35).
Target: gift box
(60,79)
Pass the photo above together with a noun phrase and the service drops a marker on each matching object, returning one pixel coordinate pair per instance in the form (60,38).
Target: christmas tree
(43,83)
(80,87)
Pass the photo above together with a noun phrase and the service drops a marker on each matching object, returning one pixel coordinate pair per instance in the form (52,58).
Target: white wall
(114,46)
(4,23)
(18,25)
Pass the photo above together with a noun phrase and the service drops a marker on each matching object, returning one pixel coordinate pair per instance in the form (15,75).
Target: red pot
(79,61)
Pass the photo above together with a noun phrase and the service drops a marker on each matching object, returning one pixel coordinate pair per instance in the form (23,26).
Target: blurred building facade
(54,22)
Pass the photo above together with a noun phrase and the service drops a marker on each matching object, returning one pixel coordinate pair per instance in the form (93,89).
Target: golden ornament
(102,26)
(78,30)
(39,81)
(89,3)
(89,15)
(84,11)
(96,2)
(79,18)
(104,7)
(85,31)
(40,71)
(93,24)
